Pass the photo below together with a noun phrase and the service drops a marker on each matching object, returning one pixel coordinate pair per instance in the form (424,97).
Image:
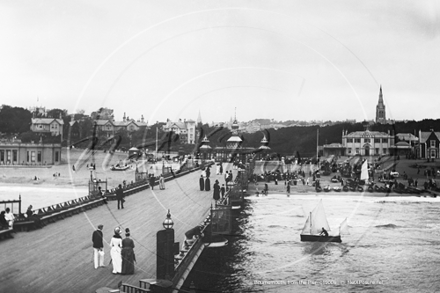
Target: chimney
(142,118)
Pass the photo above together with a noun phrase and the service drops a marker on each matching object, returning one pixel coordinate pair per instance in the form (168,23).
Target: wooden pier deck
(59,257)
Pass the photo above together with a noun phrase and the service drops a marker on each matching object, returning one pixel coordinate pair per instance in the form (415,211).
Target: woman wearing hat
(127,253)
(115,251)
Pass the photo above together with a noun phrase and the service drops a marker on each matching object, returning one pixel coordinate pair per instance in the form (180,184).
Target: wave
(386,226)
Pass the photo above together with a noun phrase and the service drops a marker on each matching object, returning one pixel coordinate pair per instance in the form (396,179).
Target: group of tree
(289,141)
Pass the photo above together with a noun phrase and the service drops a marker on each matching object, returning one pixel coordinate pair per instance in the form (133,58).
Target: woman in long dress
(216,187)
(127,253)
(115,251)
(202,183)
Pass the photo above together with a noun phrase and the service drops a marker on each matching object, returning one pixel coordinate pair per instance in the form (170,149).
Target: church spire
(380,95)
(199,119)
(380,109)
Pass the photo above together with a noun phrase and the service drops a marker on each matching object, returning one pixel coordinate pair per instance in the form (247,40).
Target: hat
(117,230)
(100,226)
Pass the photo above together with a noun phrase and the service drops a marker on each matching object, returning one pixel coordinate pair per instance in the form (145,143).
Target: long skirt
(207,184)
(202,184)
(115,253)
(128,259)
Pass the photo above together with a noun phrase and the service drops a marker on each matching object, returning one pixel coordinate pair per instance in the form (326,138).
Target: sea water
(393,246)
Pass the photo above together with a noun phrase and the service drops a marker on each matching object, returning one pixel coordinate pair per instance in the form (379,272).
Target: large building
(186,130)
(365,143)
(34,154)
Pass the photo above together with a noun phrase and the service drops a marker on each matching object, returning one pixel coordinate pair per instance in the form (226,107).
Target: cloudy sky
(286,60)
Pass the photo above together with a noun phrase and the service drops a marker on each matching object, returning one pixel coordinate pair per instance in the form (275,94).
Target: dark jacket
(119,193)
(97,239)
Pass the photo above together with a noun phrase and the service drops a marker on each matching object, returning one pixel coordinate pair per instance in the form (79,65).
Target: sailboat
(364,172)
(314,224)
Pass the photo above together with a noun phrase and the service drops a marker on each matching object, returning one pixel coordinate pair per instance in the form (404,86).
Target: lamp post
(168,222)
(165,249)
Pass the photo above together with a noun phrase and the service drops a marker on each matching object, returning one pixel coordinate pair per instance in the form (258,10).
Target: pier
(59,257)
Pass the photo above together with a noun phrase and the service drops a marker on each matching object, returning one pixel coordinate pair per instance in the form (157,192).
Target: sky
(281,60)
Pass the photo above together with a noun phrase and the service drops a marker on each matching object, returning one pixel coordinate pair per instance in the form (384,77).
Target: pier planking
(59,257)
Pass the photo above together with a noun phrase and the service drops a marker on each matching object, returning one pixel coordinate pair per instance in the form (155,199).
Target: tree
(14,120)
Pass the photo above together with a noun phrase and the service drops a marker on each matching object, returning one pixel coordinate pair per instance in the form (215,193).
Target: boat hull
(317,238)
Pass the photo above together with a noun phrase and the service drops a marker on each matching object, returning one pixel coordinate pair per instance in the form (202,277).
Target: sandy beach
(56,184)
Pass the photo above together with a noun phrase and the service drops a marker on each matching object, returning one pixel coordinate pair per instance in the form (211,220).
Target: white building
(186,130)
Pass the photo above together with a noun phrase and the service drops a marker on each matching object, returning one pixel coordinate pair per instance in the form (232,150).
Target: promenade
(59,257)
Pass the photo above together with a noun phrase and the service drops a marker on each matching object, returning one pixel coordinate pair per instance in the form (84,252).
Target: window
(384,151)
(357,150)
(8,155)
(56,156)
(376,151)
(357,140)
(349,151)
(39,156)
(366,140)
(28,156)
(349,140)
(377,140)
(432,143)
(32,156)
(2,156)
(14,156)
(384,140)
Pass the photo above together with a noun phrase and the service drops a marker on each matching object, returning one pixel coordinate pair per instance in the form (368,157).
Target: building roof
(46,121)
(102,122)
(402,145)
(234,138)
(407,137)
(333,145)
(367,133)
(424,135)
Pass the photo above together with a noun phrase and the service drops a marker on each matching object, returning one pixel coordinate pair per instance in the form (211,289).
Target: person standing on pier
(202,183)
(223,190)
(98,247)
(127,254)
(161,182)
(216,188)
(152,179)
(207,184)
(208,171)
(115,251)
(221,168)
(120,196)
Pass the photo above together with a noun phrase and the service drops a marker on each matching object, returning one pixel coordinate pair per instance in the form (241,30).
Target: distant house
(109,127)
(48,125)
(186,130)
(429,144)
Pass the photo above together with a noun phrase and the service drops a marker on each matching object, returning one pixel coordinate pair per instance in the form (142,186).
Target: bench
(6,233)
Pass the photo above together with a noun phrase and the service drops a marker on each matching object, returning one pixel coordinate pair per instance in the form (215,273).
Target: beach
(59,183)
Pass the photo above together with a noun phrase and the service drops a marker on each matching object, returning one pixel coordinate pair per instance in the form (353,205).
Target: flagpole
(156,142)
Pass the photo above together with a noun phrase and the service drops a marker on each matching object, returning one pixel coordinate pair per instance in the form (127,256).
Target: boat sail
(364,171)
(343,228)
(314,224)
